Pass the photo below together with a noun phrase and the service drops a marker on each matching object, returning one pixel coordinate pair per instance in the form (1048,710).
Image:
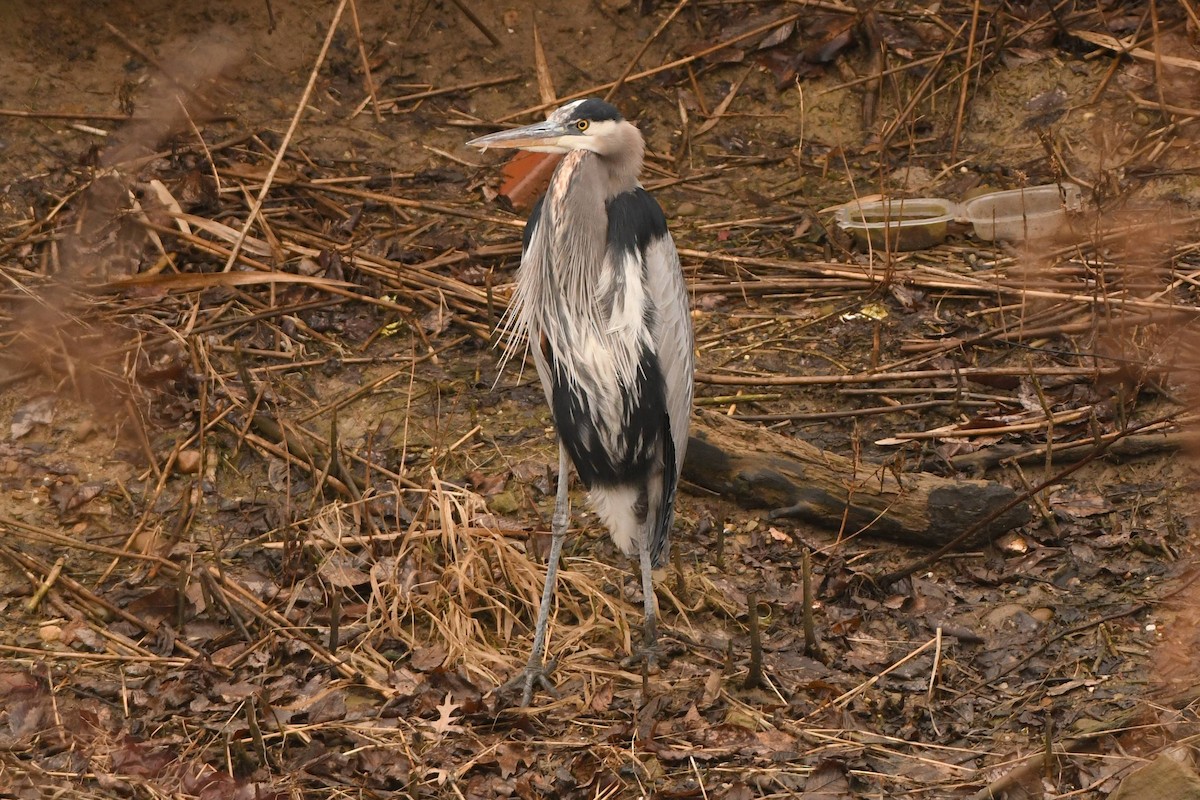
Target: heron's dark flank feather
(580,426)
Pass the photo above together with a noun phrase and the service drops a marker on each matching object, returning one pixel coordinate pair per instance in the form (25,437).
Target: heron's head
(587,124)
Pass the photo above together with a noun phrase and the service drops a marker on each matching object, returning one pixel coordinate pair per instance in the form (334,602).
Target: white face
(558,134)
(586,135)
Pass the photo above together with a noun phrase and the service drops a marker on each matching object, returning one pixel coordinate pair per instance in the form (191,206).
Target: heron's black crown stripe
(596,111)
(634,221)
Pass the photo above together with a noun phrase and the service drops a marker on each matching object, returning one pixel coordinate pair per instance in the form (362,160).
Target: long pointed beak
(540,136)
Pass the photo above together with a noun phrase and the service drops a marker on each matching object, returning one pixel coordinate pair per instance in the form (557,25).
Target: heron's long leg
(649,601)
(558,531)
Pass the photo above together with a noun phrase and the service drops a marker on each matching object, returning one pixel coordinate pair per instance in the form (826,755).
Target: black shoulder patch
(634,220)
(532,223)
(596,111)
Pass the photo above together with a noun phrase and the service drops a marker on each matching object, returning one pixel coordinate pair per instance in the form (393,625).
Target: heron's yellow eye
(582,124)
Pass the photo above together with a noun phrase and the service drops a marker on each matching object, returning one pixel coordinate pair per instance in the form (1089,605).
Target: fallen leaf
(603,698)
(38,411)
(487,485)
(442,725)
(509,756)
(828,781)
(69,497)
(526,177)
(429,658)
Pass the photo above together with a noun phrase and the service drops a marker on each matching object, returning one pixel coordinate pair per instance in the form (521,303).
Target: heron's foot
(529,677)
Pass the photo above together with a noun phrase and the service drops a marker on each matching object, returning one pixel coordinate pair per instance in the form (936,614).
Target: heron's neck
(623,160)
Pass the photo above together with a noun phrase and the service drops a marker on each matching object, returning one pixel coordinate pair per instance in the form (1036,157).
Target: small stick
(844,699)
(1038,502)
(680,584)
(1128,49)
(917,374)
(99,116)
(45,585)
(953,432)
(335,616)
(213,593)
(546,90)
(719,551)
(331,463)
(964,90)
(461,87)
(875,65)
(810,630)
(477,22)
(818,416)
(42,653)
(679,62)
(366,64)
(1047,747)
(754,678)
(260,747)
(937,661)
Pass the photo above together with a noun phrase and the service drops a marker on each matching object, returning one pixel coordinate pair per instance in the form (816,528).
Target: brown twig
(461,87)
(235,250)
(477,22)
(1095,373)
(366,62)
(965,88)
(633,62)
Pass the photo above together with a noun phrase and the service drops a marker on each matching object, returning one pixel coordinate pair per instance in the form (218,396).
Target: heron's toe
(526,680)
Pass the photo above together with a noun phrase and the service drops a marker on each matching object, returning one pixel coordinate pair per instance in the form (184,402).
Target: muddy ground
(273,520)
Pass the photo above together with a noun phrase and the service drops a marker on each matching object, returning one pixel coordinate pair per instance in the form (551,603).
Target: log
(763,469)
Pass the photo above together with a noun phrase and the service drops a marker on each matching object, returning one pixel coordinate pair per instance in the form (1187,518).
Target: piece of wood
(763,469)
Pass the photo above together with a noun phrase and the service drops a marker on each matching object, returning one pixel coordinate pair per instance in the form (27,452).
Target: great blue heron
(601,300)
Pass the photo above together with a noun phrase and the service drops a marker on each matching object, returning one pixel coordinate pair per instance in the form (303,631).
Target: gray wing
(636,222)
(673,337)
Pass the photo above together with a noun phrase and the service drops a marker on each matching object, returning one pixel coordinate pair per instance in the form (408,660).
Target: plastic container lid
(1018,214)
